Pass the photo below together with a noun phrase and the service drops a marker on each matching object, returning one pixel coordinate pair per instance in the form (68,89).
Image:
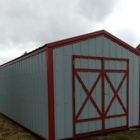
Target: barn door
(115,93)
(100,94)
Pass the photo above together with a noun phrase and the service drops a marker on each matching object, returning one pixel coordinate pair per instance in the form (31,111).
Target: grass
(11,131)
(119,135)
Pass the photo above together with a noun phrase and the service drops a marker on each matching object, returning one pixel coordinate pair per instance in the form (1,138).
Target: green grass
(119,135)
(11,131)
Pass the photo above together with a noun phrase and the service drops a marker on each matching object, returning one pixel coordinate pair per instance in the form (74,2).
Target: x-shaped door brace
(88,95)
(115,93)
(92,89)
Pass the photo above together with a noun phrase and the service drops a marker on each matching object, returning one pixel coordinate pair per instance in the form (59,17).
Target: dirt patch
(11,131)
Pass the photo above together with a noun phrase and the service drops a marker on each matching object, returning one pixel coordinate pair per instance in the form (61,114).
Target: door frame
(115,94)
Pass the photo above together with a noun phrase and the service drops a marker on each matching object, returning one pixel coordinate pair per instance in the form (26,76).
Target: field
(12,131)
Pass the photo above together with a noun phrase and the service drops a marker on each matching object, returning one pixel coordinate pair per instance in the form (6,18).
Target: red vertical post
(139,91)
(103,97)
(127,93)
(51,94)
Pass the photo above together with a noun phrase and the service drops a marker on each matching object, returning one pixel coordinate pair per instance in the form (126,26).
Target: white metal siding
(23,93)
(99,46)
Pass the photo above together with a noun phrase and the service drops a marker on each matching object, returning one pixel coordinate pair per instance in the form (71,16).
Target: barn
(72,88)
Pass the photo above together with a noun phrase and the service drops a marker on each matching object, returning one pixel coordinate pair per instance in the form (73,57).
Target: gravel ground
(12,131)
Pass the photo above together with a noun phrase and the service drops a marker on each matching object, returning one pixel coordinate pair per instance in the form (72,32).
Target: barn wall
(23,93)
(99,46)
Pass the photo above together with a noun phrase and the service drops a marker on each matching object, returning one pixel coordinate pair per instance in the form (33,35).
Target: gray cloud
(127,35)
(28,24)
(97,10)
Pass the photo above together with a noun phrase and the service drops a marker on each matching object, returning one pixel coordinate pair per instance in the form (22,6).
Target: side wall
(23,93)
(100,46)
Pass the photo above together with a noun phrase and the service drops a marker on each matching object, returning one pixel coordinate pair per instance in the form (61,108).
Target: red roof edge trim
(92,35)
(75,39)
(120,42)
(38,50)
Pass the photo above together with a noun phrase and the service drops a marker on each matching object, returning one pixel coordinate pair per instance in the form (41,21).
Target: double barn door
(100,94)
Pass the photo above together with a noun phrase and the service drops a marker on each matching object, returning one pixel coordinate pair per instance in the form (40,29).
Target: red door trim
(99,58)
(87,70)
(114,116)
(118,71)
(103,97)
(89,119)
(102,74)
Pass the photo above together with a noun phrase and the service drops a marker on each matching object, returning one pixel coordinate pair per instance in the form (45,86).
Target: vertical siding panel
(106,52)
(98,44)
(22,96)
(92,110)
(111,49)
(135,90)
(105,45)
(84,76)
(67,90)
(30,89)
(44,87)
(92,52)
(78,104)
(130,89)
(40,92)
(124,90)
(59,90)
(119,76)
(109,89)
(92,47)
(77,50)
(55,90)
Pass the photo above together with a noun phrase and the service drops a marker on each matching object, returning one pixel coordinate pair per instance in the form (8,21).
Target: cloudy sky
(28,24)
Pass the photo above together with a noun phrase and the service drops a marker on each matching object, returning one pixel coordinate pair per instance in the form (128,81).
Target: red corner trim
(128,92)
(139,91)
(51,95)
